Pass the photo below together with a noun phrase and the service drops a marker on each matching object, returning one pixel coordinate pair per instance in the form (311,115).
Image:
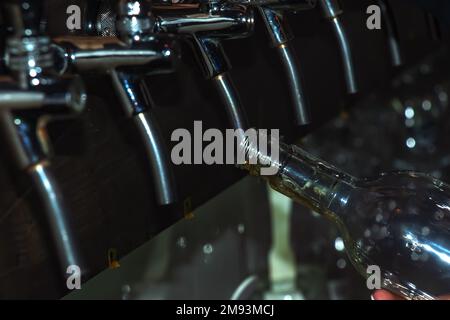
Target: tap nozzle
(33,96)
(280,37)
(391,33)
(141,53)
(205,27)
(333,11)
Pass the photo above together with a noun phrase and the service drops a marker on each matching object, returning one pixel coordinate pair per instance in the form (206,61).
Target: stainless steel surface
(226,22)
(128,87)
(294,5)
(434,28)
(163,176)
(64,97)
(275,25)
(391,33)
(333,11)
(28,59)
(19,99)
(292,70)
(141,53)
(331,8)
(57,217)
(112,58)
(236,115)
(206,27)
(30,62)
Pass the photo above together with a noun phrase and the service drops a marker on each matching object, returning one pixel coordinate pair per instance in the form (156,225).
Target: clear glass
(398,221)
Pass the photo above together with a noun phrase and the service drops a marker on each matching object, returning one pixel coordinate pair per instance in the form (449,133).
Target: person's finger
(385,295)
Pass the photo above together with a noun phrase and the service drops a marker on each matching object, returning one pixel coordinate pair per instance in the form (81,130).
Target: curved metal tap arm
(280,36)
(206,25)
(332,11)
(391,33)
(127,65)
(34,96)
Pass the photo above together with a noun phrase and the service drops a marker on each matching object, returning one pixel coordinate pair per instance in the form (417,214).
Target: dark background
(102,169)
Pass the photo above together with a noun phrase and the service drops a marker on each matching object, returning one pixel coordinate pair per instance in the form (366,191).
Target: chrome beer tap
(205,25)
(31,95)
(136,53)
(433,26)
(273,14)
(332,11)
(391,33)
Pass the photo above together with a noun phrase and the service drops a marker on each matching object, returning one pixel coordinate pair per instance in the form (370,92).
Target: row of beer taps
(42,79)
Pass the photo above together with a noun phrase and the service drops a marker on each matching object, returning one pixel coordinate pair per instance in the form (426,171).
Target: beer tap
(136,53)
(273,14)
(332,11)
(391,33)
(433,26)
(31,96)
(205,25)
